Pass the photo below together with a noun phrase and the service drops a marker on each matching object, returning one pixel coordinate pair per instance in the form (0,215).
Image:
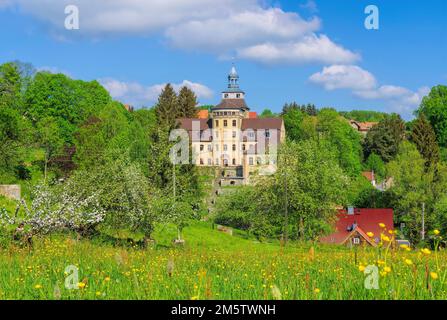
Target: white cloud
(344,77)
(364,85)
(310,5)
(247,29)
(5,3)
(54,70)
(137,94)
(310,49)
(241,29)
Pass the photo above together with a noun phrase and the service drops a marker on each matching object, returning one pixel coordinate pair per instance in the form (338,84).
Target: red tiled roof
(367,220)
(252,115)
(203,114)
(368,175)
(363,126)
(266,123)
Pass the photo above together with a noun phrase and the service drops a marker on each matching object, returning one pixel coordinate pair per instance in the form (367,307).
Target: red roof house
(352,226)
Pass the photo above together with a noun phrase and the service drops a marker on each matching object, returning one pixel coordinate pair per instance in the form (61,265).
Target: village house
(354,224)
(233,138)
(362,127)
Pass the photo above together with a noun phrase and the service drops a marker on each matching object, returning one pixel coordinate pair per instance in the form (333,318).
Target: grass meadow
(214,265)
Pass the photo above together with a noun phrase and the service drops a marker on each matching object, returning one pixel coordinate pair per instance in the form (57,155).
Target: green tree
(376,164)
(434,107)
(10,85)
(187,103)
(423,136)
(293,118)
(385,138)
(167,107)
(267,113)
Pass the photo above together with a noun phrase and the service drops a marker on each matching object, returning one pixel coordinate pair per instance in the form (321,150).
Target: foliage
(434,107)
(187,103)
(376,164)
(267,113)
(423,136)
(364,115)
(385,138)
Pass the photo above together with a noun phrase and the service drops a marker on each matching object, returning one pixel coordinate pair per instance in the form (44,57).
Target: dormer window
(238,95)
(226,95)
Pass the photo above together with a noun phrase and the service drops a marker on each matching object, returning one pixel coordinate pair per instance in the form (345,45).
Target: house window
(234,123)
(201,147)
(225,113)
(209,162)
(217,123)
(234,134)
(225,123)
(250,161)
(201,161)
(267,133)
(243,147)
(225,162)
(356,240)
(225,147)
(234,162)
(238,95)
(234,147)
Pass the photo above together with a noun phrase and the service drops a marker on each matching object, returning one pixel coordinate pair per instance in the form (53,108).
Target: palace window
(217,123)
(234,134)
(243,147)
(234,162)
(210,147)
(234,123)
(234,147)
(238,95)
(251,134)
(226,95)
(250,161)
(225,147)
(201,147)
(201,161)
(225,123)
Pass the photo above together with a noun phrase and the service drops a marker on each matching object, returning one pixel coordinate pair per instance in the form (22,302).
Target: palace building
(233,139)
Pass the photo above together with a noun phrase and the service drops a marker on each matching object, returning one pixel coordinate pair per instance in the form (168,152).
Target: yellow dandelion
(370,234)
(382,225)
(434,275)
(107,279)
(81,285)
(387,269)
(98,293)
(436,232)
(316,290)
(38,286)
(426,251)
(409,262)
(361,268)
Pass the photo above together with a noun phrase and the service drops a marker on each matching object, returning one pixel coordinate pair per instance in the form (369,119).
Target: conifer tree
(167,107)
(424,138)
(187,102)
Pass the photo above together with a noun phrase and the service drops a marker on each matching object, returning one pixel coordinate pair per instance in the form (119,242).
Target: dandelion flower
(387,269)
(107,279)
(436,232)
(38,286)
(426,251)
(382,225)
(361,268)
(81,285)
(316,290)
(370,234)
(409,262)
(434,275)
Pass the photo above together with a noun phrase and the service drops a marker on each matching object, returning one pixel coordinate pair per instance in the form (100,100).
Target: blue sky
(306,51)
